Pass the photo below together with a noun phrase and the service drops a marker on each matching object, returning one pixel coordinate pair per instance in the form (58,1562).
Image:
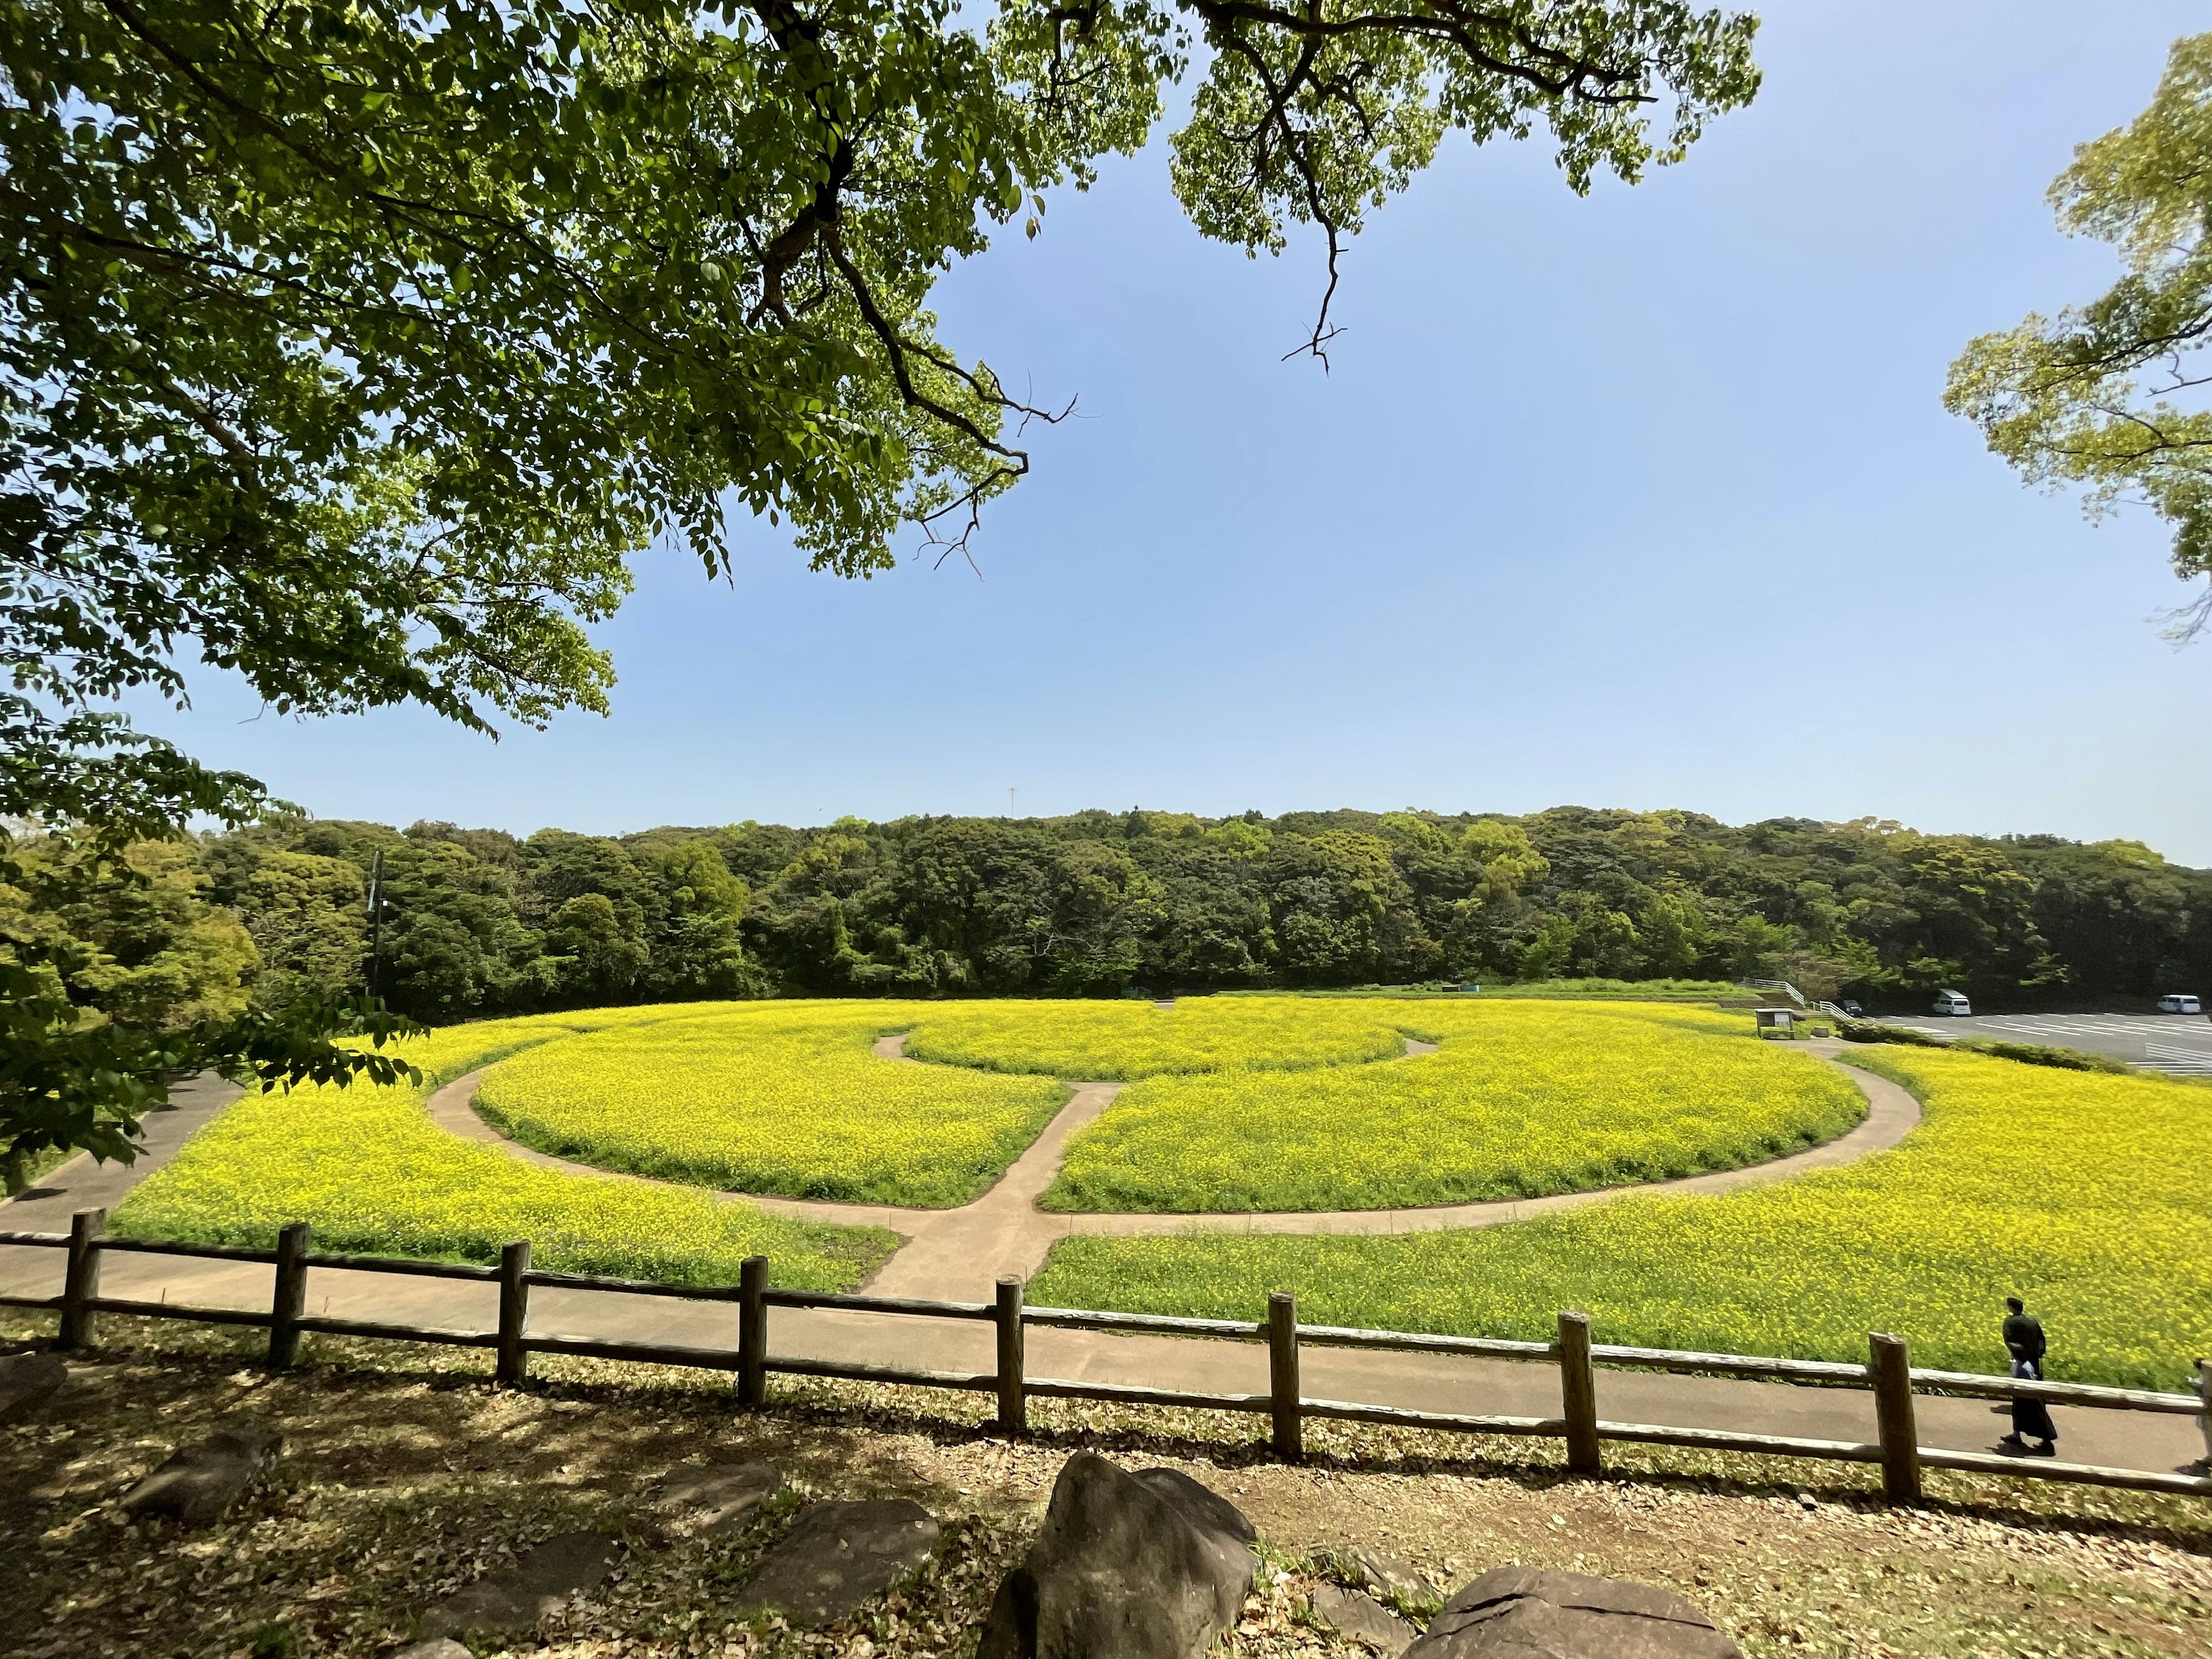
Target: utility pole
(375,916)
(1010,800)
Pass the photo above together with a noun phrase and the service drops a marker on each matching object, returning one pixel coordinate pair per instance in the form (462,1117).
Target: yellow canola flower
(774,1097)
(2086,1194)
(1522,1099)
(374,1175)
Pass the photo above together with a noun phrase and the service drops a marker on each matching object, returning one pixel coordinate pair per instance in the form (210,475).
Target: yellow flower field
(2086,1194)
(1523,1098)
(369,1169)
(1123,1040)
(774,1097)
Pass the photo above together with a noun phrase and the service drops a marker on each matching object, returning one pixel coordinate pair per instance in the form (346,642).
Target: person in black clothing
(2031,1418)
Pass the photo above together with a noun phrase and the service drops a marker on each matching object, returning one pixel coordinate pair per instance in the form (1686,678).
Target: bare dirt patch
(407,1475)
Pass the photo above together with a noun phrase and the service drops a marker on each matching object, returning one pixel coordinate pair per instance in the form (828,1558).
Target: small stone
(435,1647)
(28,1381)
(1389,1579)
(1350,1612)
(200,1483)
(513,1599)
(839,1555)
(1528,1613)
(717,1497)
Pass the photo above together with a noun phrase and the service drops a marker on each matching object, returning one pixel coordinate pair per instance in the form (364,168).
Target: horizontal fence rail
(1888,1374)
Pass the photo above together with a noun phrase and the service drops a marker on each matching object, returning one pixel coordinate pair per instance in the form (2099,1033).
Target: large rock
(28,1381)
(1529,1612)
(837,1556)
(511,1600)
(1150,1565)
(1360,1616)
(199,1483)
(717,1497)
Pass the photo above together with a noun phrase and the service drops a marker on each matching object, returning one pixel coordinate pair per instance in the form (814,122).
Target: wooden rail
(1888,1374)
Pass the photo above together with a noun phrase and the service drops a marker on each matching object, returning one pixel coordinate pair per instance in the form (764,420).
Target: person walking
(2031,1418)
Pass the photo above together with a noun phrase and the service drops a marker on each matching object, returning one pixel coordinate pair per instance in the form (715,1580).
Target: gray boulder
(511,1600)
(1149,1565)
(1529,1612)
(435,1647)
(837,1556)
(717,1497)
(28,1381)
(1350,1612)
(199,1484)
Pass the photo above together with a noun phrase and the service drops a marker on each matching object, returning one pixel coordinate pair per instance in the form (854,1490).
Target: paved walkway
(956,1253)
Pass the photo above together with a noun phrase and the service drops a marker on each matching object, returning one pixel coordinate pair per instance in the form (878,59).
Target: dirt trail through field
(959,1254)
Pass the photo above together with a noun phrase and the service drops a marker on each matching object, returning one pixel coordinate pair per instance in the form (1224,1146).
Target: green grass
(2087,1195)
(774,1097)
(1124,1040)
(374,1175)
(1523,1098)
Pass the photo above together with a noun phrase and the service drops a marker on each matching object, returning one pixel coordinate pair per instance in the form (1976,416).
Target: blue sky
(1646,499)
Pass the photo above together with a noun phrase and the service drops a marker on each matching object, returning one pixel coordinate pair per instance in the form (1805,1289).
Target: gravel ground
(406,1474)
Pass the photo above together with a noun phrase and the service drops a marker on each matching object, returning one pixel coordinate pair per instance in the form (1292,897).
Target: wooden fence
(1888,1373)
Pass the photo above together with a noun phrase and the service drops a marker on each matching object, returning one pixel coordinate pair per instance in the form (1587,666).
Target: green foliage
(2042,1053)
(1867,1030)
(367,1167)
(1522,1099)
(2102,397)
(2084,1195)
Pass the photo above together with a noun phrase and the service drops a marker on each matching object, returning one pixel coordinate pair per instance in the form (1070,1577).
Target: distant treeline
(477,921)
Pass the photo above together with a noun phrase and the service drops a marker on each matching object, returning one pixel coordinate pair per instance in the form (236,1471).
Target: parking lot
(2180,1043)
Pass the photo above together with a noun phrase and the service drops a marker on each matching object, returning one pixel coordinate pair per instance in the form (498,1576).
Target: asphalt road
(2180,1043)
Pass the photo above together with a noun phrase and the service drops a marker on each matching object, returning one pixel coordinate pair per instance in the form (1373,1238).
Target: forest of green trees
(478,922)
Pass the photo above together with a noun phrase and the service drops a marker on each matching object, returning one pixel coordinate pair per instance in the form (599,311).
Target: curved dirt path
(959,1253)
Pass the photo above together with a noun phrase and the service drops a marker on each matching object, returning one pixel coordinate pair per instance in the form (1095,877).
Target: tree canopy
(2107,395)
(1098,903)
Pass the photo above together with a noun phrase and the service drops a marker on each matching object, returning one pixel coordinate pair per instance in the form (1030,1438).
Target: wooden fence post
(1578,1393)
(290,1299)
(752,1333)
(513,1311)
(1892,1416)
(81,1285)
(1283,1376)
(1014,1395)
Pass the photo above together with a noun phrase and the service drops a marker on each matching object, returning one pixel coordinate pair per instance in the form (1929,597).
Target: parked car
(2175,1002)
(1853,1009)
(1954,1002)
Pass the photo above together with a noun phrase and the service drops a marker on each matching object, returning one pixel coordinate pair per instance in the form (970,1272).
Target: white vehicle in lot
(1954,1002)
(2174,1002)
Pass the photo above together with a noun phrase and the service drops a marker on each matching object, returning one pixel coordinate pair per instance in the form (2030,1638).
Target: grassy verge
(773,1098)
(1523,1098)
(368,1169)
(2085,1193)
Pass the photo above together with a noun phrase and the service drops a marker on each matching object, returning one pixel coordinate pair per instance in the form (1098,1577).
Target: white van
(2175,1003)
(1954,1002)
